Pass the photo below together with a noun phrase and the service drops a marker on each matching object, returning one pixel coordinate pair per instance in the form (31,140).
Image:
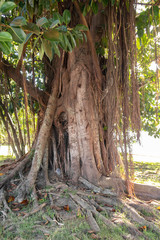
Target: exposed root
(4,205)
(17,169)
(35,210)
(96,208)
(92,222)
(95,188)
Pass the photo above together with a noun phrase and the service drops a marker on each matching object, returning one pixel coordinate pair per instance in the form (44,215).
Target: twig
(35,210)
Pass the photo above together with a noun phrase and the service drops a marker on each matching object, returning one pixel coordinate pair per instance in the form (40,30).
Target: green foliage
(52,29)
(146,19)
(6,7)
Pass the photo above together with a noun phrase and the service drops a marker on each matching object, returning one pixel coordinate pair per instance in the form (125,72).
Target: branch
(15,74)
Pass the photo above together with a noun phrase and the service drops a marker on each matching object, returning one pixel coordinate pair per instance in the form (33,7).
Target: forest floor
(68,212)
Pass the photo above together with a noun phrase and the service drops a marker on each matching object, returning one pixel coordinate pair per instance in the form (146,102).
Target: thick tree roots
(93,203)
(69,202)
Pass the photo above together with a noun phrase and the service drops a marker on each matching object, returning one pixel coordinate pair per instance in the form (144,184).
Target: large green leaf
(72,40)
(18,21)
(66,16)
(47,48)
(7,6)
(56,49)
(42,21)
(20,50)
(32,27)
(28,37)
(57,16)
(52,35)
(81,27)
(18,34)
(5,47)
(41,52)
(5,37)
(95,7)
(67,43)
(55,23)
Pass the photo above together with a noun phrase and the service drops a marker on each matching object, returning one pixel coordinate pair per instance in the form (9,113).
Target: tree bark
(44,132)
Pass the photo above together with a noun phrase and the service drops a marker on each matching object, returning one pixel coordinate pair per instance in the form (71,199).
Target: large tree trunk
(77,120)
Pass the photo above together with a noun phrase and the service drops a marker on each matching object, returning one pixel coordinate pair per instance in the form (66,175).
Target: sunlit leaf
(52,35)
(55,23)
(28,37)
(5,47)
(5,36)
(18,34)
(18,21)
(7,6)
(56,49)
(42,21)
(41,52)
(66,16)
(48,49)
(20,50)
(85,37)
(32,27)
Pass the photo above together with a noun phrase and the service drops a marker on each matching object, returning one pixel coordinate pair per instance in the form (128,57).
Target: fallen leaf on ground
(143,228)
(24,202)
(1,174)
(66,208)
(11,199)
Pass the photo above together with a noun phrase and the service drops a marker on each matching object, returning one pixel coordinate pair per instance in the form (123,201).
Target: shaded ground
(67,212)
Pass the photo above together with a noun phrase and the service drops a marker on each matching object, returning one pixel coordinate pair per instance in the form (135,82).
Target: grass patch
(4,157)
(147,172)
